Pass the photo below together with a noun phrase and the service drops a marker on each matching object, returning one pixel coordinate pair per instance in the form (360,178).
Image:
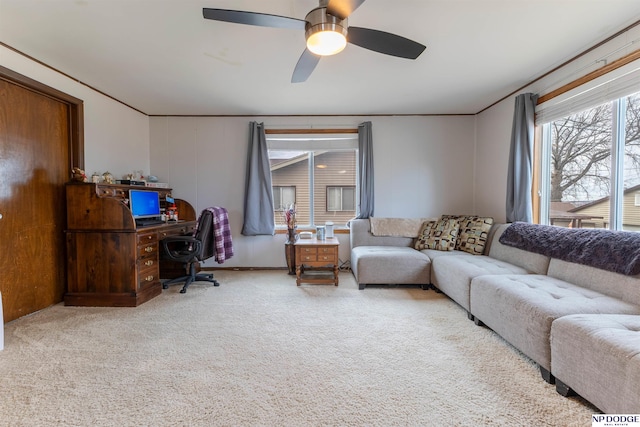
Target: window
(283,197)
(591,167)
(321,168)
(341,199)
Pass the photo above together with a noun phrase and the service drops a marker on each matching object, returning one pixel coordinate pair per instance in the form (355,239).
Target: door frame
(76,112)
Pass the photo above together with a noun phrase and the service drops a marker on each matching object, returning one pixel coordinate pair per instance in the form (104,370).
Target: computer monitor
(144,204)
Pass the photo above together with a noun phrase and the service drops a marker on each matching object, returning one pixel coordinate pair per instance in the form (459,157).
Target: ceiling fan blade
(253,18)
(383,42)
(343,8)
(305,66)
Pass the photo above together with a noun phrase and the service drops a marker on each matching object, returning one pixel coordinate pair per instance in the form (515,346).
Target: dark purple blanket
(617,251)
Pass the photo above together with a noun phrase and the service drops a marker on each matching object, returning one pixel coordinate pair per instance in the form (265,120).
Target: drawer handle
(149,262)
(148,278)
(148,249)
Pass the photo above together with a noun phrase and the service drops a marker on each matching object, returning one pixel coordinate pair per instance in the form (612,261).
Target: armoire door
(34,165)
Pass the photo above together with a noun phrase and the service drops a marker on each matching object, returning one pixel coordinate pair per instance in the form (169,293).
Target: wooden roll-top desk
(110,261)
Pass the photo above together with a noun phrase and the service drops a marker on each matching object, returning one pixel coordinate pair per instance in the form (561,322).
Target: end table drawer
(308,254)
(326,251)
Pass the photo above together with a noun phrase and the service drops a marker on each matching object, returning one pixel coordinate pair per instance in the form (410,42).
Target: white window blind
(616,84)
(313,142)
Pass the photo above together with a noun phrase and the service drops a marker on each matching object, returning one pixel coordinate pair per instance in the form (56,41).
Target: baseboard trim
(242,268)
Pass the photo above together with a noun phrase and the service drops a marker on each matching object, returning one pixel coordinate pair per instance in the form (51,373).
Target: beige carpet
(259,351)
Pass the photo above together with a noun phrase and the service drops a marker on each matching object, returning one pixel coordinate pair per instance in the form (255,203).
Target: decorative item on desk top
(78,175)
(107,177)
(95,178)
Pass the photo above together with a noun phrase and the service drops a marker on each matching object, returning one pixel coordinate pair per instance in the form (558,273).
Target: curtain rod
(307,131)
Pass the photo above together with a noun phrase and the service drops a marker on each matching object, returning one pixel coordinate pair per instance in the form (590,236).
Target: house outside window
(591,167)
(283,197)
(313,164)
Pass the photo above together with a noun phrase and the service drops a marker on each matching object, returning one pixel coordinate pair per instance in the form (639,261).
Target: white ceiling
(162,58)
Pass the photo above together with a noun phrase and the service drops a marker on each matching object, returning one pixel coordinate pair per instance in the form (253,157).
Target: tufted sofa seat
(390,265)
(521,309)
(608,373)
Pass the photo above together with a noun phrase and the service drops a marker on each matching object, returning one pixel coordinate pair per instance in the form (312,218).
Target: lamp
(326,35)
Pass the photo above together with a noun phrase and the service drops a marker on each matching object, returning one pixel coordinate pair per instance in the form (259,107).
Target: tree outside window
(590,154)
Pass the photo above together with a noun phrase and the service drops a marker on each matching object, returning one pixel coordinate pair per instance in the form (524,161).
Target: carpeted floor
(259,351)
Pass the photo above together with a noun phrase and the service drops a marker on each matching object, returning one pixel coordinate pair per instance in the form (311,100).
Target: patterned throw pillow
(474,230)
(439,235)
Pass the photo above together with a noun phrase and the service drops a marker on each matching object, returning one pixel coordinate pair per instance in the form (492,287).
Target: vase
(290,250)
(291,235)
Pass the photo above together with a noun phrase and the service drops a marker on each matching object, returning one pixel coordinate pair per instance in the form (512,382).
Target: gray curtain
(258,200)
(520,176)
(365,164)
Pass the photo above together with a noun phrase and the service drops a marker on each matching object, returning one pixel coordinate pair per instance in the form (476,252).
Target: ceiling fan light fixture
(326,43)
(326,35)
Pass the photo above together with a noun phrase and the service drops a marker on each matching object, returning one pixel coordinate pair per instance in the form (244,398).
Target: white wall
(116,137)
(494,124)
(423,166)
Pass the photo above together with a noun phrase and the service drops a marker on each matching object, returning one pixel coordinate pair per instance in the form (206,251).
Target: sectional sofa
(569,299)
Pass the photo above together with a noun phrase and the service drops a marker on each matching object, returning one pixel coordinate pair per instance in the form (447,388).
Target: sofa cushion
(440,235)
(626,288)
(453,274)
(598,356)
(532,262)
(472,237)
(390,265)
(520,308)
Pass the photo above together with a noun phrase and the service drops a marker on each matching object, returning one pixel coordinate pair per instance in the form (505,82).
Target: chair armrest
(181,248)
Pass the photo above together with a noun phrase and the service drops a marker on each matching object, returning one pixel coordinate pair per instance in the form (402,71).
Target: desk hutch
(110,261)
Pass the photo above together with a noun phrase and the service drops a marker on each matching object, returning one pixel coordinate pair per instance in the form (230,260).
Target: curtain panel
(365,165)
(519,205)
(258,201)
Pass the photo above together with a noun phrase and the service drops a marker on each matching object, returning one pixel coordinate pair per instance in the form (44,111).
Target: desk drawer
(118,193)
(148,275)
(147,262)
(148,249)
(177,230)
(146,238)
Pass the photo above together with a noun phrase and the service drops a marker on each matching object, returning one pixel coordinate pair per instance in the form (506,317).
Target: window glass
(593,164)
(283,197)
(631,169)
(341,199)
(319,165)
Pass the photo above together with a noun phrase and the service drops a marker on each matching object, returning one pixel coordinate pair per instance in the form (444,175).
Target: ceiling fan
(326,31)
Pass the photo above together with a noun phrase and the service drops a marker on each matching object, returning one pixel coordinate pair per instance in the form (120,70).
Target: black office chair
(189,250)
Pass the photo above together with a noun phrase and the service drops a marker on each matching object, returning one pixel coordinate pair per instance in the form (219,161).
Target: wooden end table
(321,256)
